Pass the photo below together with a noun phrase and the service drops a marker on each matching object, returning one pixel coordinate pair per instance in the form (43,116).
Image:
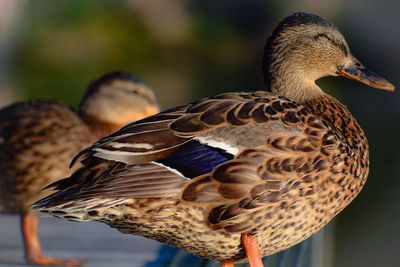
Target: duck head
(116,99)
(304,48)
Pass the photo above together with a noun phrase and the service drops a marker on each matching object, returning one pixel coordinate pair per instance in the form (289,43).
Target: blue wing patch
(194,159)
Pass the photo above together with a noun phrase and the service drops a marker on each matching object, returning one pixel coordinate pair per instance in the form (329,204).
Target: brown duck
(239,175)
(39,138)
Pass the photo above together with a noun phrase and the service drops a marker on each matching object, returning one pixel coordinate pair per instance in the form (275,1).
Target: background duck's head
(116,99)
(304,48)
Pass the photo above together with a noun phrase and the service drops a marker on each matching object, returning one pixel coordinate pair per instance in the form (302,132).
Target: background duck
(240,174)
(39,138)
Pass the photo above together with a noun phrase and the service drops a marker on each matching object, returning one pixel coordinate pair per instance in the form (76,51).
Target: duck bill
(150,111)
(360,73)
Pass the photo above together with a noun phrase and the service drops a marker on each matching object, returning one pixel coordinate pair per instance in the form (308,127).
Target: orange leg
(251,247)
(226,264)
(33,252)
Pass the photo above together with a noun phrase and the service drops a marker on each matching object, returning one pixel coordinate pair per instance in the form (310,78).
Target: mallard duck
(237,176)
(39,138)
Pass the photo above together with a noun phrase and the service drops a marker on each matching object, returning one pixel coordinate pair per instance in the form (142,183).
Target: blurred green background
(187,49)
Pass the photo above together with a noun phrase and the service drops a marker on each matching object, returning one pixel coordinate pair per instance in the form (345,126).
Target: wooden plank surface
(102,246)
(98,244)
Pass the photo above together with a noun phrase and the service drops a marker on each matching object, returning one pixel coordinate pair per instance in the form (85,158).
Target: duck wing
(223,151)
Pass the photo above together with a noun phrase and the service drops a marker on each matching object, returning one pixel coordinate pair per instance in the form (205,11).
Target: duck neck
(285,78)
(100,128)
(298,90)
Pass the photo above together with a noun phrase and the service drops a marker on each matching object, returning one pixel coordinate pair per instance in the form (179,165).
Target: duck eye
(336,43)
(322,35)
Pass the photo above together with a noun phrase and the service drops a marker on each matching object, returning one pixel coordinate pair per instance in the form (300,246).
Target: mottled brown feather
(35,154)
(288,173)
